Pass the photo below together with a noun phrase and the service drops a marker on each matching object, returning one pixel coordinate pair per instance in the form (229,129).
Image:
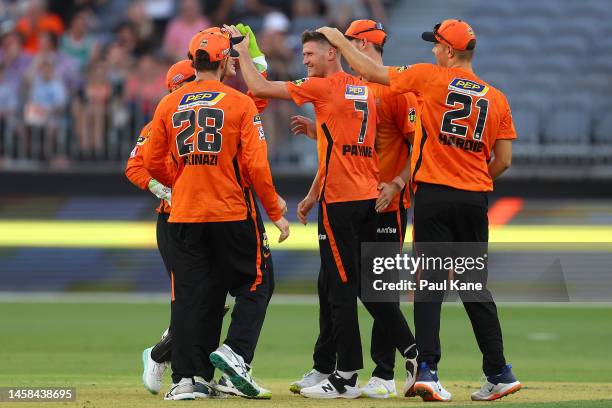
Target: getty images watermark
(479,272)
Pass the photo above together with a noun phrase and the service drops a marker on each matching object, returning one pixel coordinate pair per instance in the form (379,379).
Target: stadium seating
(553,60)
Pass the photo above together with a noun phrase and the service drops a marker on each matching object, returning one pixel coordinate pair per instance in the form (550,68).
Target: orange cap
(368,30)
(216,42)
(454,33)
(178,73)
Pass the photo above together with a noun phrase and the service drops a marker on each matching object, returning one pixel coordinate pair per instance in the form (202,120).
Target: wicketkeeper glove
(160,191)
(258,57)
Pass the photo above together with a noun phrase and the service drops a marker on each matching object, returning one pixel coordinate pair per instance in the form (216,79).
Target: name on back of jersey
(200,99)
(356,92)
(468,87)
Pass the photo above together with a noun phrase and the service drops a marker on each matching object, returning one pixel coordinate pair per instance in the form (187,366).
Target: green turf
(96,347)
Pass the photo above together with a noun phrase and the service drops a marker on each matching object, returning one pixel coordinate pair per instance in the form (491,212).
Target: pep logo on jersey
(357,92)
(200,99)
(468,87)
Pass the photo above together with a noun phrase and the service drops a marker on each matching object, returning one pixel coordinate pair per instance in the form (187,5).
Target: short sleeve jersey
(203,124)
(346,129)
(396,118)
(462,118)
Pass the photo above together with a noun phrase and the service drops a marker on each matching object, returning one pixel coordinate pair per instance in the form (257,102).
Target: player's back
(346,131)
(462,117)
(203,122)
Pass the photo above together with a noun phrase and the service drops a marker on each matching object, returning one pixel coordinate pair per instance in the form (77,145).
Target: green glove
(258,57)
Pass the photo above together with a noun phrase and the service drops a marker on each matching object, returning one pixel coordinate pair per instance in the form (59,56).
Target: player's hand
(304,208)
(301,125)
(387,194)
(160,191)
(282,204)
(283,226)
(243,46)
(333,35)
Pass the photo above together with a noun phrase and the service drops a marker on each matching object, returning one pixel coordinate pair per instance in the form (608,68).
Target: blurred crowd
(78,79)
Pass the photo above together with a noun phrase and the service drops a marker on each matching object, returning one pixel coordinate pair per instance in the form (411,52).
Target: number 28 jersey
(203,124)
(462,117)
(346,128)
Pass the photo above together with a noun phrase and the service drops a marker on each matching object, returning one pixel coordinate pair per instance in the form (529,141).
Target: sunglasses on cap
(377,27)
(438,35)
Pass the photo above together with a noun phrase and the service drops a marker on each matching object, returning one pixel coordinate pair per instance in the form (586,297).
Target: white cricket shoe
(203,389)
(498,386)
(334,386)
(225,386)
(153,372)
(181,391)
(234,367)
(410,356)
(379,388)
(313,377)
(428,386)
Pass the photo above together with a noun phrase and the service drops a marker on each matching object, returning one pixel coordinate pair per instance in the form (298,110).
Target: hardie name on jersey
(201,159)
(468,87)
(200,99)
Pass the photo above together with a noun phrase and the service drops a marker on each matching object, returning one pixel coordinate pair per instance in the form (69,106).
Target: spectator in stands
(8,112)
(77,42)
(14,59)
(126,35)
(342,12)
(90,113)
(142,23)
(145,87)
(36,20)
(306,16)
(67,68)
(181,28)
(45,107)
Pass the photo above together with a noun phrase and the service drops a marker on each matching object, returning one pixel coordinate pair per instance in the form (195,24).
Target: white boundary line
(281,299)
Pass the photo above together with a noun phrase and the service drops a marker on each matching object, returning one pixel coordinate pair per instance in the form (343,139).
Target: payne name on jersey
(200,99)
(201,159)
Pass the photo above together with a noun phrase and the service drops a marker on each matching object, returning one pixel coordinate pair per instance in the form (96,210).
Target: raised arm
(258,85)
(361,63)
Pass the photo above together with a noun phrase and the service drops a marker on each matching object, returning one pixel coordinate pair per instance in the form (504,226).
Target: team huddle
(437,132)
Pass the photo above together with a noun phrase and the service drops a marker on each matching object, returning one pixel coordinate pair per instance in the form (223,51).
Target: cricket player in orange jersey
(394,132)
(346,189)
(215,244)
(463,142)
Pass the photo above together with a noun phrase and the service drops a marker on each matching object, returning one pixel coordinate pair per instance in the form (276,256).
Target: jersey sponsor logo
(134,152)
(357,150)
(322,237)
(401,69)
(257,119)
(462,143)
(468,87)
(262,135)
(201,159)
(386,230)
(200,99)
(412,115)
(356,92)
(141,140)
(299,82)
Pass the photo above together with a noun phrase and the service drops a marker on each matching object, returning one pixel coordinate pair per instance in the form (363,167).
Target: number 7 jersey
(203,124)
(346,128)
(462,117)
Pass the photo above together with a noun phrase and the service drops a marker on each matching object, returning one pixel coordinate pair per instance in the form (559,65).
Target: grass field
(561,354)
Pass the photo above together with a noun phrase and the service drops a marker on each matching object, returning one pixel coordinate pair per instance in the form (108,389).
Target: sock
(347,375)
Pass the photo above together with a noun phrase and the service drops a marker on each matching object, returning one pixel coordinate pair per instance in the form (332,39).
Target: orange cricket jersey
(136,172)
(396,118)
(462,117)
(346,129)
(202,124)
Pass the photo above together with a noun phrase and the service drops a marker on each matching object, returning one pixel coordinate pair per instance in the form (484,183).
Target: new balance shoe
(428,386)
(234,367)
(181,391)
(498,386)
(334,386)
(410,355)
(379,388)
(153,372)
(313,377)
